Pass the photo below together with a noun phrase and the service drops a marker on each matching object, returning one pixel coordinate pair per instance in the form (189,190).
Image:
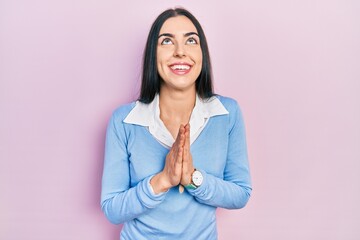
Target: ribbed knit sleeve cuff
(146,194)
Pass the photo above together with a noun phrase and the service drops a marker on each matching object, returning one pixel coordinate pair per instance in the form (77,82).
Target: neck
(176,105)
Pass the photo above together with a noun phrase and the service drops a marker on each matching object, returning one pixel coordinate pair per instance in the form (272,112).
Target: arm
(119,202)
(233,191)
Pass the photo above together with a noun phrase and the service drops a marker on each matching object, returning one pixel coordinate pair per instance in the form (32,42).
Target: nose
(179,50)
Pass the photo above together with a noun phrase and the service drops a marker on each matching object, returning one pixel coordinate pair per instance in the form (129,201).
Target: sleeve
(233,191)
(119,201)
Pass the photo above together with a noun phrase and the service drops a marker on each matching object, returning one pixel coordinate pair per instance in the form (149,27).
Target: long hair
(151,80)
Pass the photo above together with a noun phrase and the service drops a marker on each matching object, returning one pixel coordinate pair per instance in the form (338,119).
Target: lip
(183,69)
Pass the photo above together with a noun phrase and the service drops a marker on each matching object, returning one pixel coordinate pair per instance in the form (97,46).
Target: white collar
(148,115)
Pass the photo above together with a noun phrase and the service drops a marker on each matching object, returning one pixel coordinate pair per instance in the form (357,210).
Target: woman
(179,152)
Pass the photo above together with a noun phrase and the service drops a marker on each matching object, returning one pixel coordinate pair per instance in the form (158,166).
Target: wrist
(188,179)
(159,184)
(196,180)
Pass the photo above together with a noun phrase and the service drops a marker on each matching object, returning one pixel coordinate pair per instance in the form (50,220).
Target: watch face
(197,178)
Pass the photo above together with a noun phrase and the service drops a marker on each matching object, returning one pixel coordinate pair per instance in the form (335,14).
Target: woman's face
(179,55)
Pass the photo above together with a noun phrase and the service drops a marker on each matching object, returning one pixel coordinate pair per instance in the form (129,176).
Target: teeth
(180,67)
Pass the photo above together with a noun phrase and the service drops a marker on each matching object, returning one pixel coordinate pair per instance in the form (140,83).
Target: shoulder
(229,103)
(235,115)
(120,113)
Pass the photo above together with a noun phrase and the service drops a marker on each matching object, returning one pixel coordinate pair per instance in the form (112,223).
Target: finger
(179,158)
(176,156)
(172,159)
(187,127)
(178,163)
(181,132)
(179,142)
(187,134)
(187,162)
(187,146)
(182,139)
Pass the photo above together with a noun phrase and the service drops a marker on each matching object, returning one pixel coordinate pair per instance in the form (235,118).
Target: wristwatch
(196,180)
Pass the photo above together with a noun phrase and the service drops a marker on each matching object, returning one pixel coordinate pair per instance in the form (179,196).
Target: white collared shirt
(148,115)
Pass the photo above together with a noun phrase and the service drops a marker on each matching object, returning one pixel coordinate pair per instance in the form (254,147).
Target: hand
(171,175)
(187,163)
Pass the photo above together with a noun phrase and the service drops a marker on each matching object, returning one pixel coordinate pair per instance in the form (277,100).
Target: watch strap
(190,186)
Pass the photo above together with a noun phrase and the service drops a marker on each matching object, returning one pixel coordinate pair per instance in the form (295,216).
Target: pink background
(294,67)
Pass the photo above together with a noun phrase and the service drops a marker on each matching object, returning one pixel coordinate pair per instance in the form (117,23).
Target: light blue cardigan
(133,156)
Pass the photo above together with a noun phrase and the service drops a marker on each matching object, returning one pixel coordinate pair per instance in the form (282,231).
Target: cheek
(200,59)
(161,64)
(198,55)
(162,57)
(159,61)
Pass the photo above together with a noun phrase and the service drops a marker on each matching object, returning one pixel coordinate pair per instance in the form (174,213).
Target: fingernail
(181,189)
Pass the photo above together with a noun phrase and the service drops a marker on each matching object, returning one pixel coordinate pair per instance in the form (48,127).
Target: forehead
(178,25)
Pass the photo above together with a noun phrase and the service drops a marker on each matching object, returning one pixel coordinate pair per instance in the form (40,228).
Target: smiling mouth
(180,69)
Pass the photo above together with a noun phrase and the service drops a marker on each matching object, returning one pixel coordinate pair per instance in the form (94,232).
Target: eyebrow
(172,35)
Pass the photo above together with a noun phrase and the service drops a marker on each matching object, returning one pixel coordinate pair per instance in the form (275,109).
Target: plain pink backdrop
(294,67)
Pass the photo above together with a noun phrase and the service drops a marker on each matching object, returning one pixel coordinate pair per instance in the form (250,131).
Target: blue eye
(166,41)
(192,41)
